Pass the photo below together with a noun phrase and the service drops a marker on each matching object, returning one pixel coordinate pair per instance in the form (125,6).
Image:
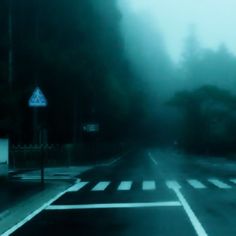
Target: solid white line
(172,184)
(33,214)
(113,161)
(77,187)
(233,181)
(113,205)
(124,186)
(149,185)
(196,184)
(194,220)
(219,184)
(101,186)
(152,158)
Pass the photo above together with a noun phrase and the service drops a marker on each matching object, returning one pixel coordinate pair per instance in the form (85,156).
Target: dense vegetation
(209,120)
(206,99)
(76,53)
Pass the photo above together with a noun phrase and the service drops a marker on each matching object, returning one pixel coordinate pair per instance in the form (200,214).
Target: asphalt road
(145,192)
(12,192)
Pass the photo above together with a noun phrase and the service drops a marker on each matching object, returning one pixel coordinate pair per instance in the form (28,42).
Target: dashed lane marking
(125,186)
(196,184)
(152,158)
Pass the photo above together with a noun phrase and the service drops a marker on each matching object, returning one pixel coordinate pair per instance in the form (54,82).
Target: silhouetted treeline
(205,100)
(80,56)
(74,52)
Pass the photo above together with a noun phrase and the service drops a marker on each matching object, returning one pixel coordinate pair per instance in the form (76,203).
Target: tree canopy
(209,115)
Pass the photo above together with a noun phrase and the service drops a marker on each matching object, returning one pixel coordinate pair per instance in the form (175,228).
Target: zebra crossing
(196,184)
(125,186)
(151,185)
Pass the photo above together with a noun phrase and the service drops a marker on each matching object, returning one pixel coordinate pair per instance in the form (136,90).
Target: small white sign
(91,128)
(4,155)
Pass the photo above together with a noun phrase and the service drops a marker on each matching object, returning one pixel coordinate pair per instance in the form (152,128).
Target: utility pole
(10,47)
(75,119)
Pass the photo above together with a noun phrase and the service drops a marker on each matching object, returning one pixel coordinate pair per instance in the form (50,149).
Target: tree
(75,53)
(208,115)
(190,65)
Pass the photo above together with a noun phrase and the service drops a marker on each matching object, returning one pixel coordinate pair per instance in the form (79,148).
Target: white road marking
(112,162)
(101,186)
(194,220)
(171,183)
(77,186)
(152,158)
(233,181)
(114,205)
(115,159)
(33,214)
(219,184)
(196,184)
(149,185)
(124,186)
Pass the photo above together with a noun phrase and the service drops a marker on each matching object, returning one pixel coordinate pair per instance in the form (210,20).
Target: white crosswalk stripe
(101,186)
(77,187)
(219,184)
(149,185)
(171,183)
(233,181)
(124,186)
(196,184)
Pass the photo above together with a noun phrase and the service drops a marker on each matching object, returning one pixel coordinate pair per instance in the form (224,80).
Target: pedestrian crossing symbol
(38,99)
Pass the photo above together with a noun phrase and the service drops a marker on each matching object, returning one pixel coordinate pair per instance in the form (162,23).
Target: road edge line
(34,213)
(115,159)
(152,158)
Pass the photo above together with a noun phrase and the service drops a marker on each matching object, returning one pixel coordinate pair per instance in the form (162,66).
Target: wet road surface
(143,193)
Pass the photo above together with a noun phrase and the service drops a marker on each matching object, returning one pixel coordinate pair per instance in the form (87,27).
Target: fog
(214,21)
(180,44)
(139,69)
(184,52)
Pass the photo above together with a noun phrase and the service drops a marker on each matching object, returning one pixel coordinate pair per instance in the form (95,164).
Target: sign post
(36,101)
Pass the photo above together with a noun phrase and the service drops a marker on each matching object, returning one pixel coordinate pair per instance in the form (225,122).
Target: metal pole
(10,50)
(35,126)
(42,164)
(75,121)
(38,141)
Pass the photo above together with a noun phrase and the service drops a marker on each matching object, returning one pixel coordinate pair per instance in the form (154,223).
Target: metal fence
(29,156)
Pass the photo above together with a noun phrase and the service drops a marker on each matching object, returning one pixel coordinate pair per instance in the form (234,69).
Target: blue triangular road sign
(38,99)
